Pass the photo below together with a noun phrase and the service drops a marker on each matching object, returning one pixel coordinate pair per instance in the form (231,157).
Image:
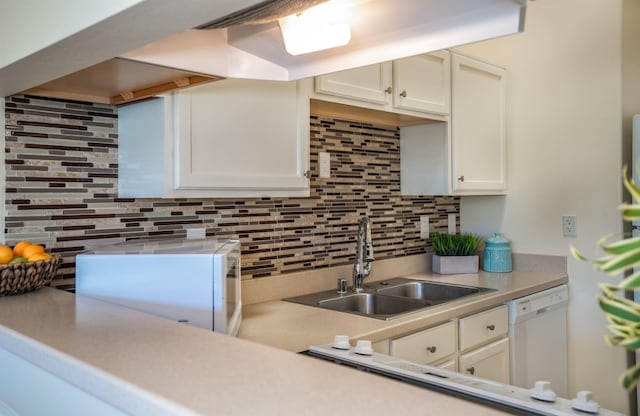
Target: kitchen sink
(431,291)
(390,298)
(372,304)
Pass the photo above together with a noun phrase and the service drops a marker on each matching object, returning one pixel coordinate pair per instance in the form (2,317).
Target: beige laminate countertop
(144,365)
(295,327)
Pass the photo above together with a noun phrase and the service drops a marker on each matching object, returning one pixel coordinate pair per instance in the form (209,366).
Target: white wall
(30,25)
(564,157)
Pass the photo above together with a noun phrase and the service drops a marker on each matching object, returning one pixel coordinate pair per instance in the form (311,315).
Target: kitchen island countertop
(145,365)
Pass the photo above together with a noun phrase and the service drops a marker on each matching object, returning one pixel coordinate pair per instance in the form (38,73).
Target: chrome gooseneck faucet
(364,254)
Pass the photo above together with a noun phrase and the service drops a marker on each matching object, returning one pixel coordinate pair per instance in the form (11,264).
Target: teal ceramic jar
(497,255)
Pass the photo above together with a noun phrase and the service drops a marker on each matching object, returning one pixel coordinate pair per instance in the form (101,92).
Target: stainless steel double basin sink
(390,298)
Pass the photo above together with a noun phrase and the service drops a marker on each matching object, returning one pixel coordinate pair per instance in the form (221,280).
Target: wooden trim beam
(161,88)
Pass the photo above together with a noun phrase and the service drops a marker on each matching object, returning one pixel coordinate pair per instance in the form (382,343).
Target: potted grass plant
(621,255)
(455,253)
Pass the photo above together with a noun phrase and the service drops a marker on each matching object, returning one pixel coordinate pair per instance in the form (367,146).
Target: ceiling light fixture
(320,27)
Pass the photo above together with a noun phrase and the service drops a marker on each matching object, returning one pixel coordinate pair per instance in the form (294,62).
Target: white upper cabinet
(418,86)
(371,83)
(231,138)
(478,125)
(422,83)
(243,137)
(465,155)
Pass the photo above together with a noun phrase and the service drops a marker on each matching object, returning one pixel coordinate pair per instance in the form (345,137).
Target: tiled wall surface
(61,168)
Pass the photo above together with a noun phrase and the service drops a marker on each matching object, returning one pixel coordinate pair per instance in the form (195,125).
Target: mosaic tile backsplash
(61,191)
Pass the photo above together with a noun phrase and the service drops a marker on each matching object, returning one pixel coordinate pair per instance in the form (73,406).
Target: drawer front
(426,346)
(482,327)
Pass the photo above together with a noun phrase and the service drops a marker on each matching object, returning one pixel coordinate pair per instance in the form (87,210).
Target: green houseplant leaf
(621,256)
(455,244)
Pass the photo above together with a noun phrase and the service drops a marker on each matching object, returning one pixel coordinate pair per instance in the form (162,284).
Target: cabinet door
(478,136)
(490,362)
(371,83)
(426,346)
(243,138)
(422,83)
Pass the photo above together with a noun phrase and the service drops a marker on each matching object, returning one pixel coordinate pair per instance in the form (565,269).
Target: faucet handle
(368,252)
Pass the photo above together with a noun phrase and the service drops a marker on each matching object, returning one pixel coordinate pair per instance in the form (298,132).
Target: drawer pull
(491,327)
(388,90)
(403,94)
(432,349)
(471,370)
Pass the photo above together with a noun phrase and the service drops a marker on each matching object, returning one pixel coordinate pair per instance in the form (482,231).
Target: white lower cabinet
(451,365)
(484,346)
(482,327)
(490,362)
(475,344)
(428,346)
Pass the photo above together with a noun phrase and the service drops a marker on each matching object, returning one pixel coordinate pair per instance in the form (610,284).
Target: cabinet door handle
(403,94)
(491,327)
(432,349)
(388,90)
(461,178)
(471,370)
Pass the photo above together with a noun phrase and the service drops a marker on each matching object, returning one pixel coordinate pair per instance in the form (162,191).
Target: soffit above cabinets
(118,81)
(165,33)
(381,30)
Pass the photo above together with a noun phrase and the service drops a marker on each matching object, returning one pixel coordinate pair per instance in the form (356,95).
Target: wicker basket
(24,277)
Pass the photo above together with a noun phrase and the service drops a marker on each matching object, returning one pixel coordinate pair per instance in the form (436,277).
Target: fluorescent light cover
(320,27)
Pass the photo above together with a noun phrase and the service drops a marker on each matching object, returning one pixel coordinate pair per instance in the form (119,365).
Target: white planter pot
(454,264)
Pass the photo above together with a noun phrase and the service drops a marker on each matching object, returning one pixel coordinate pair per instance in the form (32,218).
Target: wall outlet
(452,223)
(324,162)
(196,233)
(424,226)
(569,226)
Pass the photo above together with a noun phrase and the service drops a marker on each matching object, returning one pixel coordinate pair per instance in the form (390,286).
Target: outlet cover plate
(424,226)
(452,224)
(324,161)
(569,226)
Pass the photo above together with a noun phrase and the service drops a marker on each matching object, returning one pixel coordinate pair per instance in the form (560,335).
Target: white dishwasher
(538,339)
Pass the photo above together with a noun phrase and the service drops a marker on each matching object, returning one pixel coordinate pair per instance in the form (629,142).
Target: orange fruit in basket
(6,254)
(18,248)
(31,250)
(39,256)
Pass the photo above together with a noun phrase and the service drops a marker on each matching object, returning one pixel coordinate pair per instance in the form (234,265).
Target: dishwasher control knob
(542,391)
(584,403)
(363,347)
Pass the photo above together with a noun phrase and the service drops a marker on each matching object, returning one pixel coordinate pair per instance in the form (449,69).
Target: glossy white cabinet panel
(422,83)
(427,346)
(490,362)
(478,125)
(483,326)
(369,83)
(230,138)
